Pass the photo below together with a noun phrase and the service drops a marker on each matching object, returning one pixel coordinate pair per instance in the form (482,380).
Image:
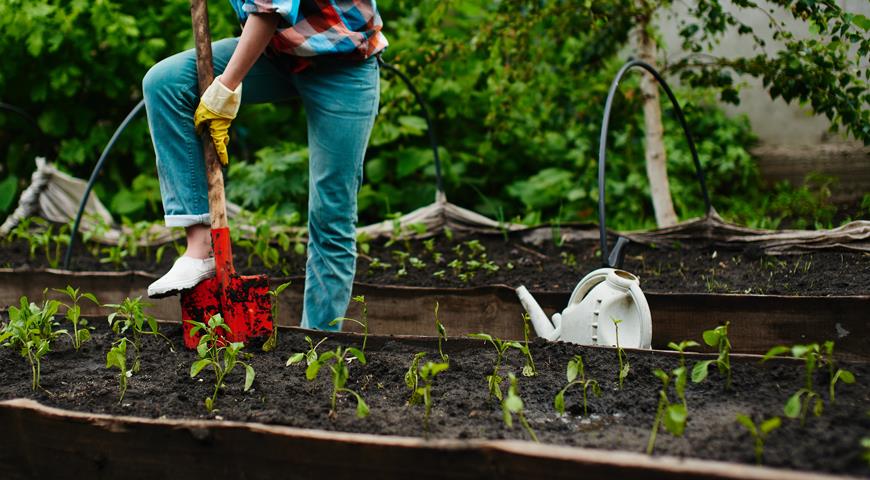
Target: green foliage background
(517,89)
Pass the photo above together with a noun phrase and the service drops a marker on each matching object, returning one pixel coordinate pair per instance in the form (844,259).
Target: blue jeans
(341,102)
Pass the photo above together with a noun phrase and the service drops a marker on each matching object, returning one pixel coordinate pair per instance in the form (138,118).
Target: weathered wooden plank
(44,442)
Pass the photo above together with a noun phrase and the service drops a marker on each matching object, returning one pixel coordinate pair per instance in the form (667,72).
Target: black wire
(72,236)
(430,128)
(602,146)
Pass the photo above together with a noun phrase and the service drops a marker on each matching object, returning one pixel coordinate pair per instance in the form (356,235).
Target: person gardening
(324,54)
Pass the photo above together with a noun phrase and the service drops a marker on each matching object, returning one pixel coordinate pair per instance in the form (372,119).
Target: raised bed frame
(83,445)
(87,445)
(757,321)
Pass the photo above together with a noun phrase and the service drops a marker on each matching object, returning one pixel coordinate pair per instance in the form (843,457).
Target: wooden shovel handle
(217,202)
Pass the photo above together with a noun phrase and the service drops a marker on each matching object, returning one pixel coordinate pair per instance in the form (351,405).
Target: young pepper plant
(310,356)
(117,357)
(31,330)
(624,366)
(835,374)
(442,336)
(717,338)
(529,369)
(272,341)
(576,375)
(681,348)
(759,433)
(672,415)
(74,313)
(494,380)
(363,322)
(513,405)
(798,405)
(424,374)
(221,356)
(130,315)
(340,375)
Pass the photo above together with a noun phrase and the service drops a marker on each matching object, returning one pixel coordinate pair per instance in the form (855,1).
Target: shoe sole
(178,288)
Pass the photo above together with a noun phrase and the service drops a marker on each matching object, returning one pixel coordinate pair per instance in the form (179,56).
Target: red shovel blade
(248,308)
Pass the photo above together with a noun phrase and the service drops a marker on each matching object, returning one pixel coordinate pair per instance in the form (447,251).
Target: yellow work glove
(217,108)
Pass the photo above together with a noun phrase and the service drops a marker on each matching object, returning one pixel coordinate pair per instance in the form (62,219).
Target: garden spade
(243,301)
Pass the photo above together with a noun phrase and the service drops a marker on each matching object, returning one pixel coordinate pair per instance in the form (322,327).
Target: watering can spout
(543,327)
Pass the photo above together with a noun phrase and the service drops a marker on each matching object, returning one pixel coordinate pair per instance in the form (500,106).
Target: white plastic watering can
(605,295)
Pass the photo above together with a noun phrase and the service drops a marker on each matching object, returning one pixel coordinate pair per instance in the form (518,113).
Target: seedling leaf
(295,358)
(770,424)
(675,418)
(249,377)
(699,371)
(711,337)
(792,407)
(775,352)
(198,366)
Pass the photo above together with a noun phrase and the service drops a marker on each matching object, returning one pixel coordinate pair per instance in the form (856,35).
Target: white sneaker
(186,273)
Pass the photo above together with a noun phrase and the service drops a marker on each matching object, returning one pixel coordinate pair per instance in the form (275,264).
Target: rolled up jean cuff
(187,220)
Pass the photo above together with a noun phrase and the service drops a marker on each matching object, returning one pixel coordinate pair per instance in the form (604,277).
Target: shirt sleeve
(288,9)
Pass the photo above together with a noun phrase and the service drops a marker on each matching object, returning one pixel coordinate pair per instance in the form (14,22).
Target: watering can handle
(217,202)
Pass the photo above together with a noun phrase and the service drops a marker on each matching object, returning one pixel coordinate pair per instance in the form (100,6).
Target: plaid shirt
(311,28)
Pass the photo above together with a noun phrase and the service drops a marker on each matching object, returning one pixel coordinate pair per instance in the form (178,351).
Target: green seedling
(529,369)
(494,379)
(363,322)
(50,242)
(424,374)
(31,330)
(217,353)
(130,315)
(310,356)
(272,341)
(117,357)
(81,333)
(835,374)
(440,274)
(448,233)
(759,433)
(568,259)
(717,338)
(114,254)
(513,405)
(672,415)
(442,336)
(340,375)
(474,248)
(576,375)
(417,263)
(624,366)
(681,347)
(377,264)
(865,445)
(799,404)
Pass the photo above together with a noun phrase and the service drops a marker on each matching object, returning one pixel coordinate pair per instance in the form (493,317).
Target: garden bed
(620,419)
(690,286)
(679,267)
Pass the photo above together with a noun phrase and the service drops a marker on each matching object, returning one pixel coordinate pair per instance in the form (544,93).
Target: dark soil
(620,419)
(681,268)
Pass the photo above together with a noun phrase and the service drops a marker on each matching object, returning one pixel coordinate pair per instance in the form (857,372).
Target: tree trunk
(656,159)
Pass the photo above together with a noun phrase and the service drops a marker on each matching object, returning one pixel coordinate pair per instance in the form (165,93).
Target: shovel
(242,301)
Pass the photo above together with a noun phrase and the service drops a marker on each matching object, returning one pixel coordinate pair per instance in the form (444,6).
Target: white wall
(775,122)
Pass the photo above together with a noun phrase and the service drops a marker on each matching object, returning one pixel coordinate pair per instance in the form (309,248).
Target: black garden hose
(429,127)
(99,166)
(617,257)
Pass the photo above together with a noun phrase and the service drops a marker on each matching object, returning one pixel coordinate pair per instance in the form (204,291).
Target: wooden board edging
(46,442)
(758,322)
